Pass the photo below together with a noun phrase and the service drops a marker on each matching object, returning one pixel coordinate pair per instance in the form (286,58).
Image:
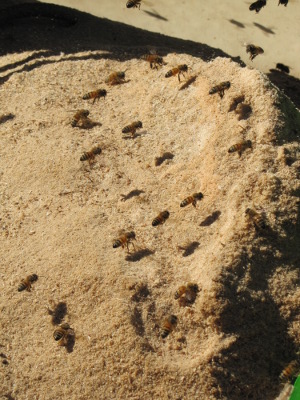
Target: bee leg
(179,76)
(239,153)
(133,133)
(194,203)
(221,93)
(28,287)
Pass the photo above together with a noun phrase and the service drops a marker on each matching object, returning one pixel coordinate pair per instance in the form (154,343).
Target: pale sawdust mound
(59,219)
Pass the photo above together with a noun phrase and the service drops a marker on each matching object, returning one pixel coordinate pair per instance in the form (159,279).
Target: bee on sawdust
(132,127)
(134,4)
(257,219)
(192,200)
(63,334)
(240,147)
(125,240)
(81,115)
(179,70)
(26,283)
(168,325)
(161,218)
(253,50)
(290,372)
(186,294)
(257,5)
(220,88)
(116,78)
(154,60)
(90,155)
(95,95)
(284,2)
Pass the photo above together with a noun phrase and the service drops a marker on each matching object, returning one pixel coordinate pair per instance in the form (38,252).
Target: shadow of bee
(188,249)
(166,156)
(133,193)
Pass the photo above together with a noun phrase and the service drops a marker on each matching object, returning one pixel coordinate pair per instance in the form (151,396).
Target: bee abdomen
(168,326)
(169,73)
(117,244)
(290,371)
(187,201)
(23,285)
(90,154)
(180,292)
(133,3)
(161,218)
(234,148)
(58,334)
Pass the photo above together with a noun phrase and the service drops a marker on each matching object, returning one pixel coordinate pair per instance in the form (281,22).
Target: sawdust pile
(60,217)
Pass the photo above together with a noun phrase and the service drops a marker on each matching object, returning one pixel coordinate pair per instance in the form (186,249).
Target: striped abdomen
(161,218)
(168,325)
(132,127)
(133,3)
(191,199)
(90,155)
(180,292)
(240,147)
(289,372)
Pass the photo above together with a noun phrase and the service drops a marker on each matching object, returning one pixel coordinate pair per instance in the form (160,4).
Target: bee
(290,371)
(168,325)
(161,218)
(124,240)
(132,127)
(26,283)
(283,68)
(133,4)
(256,218)
(116,78)
(80,115)
(257,5)
(63,333)
(220,88)
(253,50)
(180,69)
(240,147)
(96,94)
(192,199)
(154,60)
(90,155)
(186,290)
(284,2)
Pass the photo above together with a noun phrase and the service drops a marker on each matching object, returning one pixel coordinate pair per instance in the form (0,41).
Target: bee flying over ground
(26,283)
(96,94)
(161,218)
(80,115)
(116,78)
(132,127)
(179,70)
(192,199)
(253,50)
(240,147)
(125,240)
(220,88)
(168,325)
(290,372)
(90,155)
(133,4)
(283,68)
(284,2)
(257,5)
(63,333)
(256,218)
(155,60)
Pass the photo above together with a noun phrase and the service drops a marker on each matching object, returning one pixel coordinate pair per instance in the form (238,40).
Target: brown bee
(161,218)
(290,371)
(187,294)
(240,147)
(168,325)
(80,115)
(26,283)
(116,78)
(283,68)
(180,69)
(133,4)
(132,127)
(124,240)
(257,5)
(284,2)
(192,199)
(63,333)
(96,94)
(154,60)
(253,50)
(220,88)
(256,218)
(90,155)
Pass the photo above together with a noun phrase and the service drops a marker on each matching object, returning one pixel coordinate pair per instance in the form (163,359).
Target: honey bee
(168,325)
(132,128)
(290,371)
(186,289)
(26,283)
(154,60)
(192,199)
(80,115)
(284,2)
(116,78)
(283,68)
(161,218)
(124,240)
(240,147)
(256,218)
(96,94)
(133,4)
(63,333)
(90,155)
(257,5)
(253,50)
(220,88)
(180,69)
